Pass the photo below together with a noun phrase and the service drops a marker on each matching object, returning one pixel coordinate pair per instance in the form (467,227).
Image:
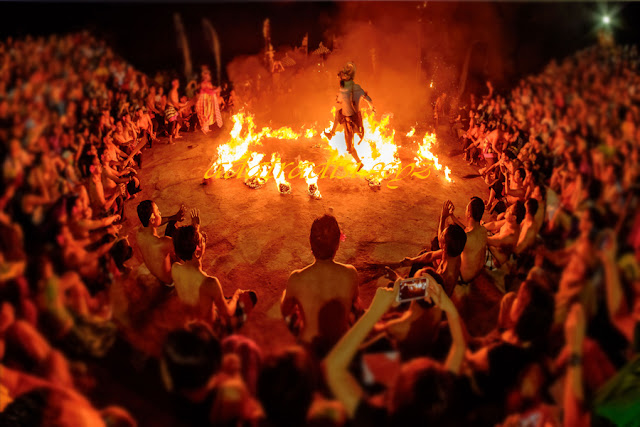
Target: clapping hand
(450,207)
(179,216)
(195,217)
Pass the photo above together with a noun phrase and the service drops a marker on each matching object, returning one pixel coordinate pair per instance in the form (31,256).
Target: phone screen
(414,288)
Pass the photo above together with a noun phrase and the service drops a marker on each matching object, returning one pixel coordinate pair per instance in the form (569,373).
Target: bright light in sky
(606,19)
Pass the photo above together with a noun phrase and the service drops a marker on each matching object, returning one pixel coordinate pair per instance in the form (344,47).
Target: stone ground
(257,237)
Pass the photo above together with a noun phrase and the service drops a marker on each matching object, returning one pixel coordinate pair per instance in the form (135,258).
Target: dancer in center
(348,100)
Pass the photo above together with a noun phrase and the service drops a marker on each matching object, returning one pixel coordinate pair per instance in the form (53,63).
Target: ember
(278,173)
(314,192)
(311,178)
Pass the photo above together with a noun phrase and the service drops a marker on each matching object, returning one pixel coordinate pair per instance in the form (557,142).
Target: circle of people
(558,239)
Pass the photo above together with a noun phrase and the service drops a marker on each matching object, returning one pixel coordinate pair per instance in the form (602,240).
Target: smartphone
(413,288)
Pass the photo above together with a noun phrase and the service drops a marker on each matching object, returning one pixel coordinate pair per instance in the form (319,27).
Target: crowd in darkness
(558,234)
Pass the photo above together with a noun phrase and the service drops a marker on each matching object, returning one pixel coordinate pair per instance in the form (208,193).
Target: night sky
(144,34)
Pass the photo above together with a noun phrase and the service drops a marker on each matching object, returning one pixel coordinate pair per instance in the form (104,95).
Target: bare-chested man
(100,201)
(446,260)
(474,253)
(325,292)
(504,242)
(197,289)
(172,110)
(157,252)
(144,123)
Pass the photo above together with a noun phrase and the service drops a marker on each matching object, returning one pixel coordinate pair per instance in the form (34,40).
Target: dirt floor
(257,237)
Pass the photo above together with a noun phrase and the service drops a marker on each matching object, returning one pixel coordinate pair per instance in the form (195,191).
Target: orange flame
(424,155)
(278,173)
(311,178)
(377,150)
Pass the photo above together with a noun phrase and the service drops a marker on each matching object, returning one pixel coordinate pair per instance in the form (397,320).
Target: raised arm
(336,365)
(618,311)
(454,218)
(573,400)
(425,258)
(444,214)
(458,346)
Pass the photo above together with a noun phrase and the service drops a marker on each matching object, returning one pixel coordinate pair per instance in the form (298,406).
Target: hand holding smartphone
(413,288)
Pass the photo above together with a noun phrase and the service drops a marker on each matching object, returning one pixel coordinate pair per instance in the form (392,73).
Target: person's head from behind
(324,237)
(149,214)
(187,243)
(531,205)
(475,209)
(532,312)
(286,385)
(453,239)
(28,409)
(189,358)
(423,394)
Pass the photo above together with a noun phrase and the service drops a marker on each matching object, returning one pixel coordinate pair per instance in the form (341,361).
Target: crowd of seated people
(558,234)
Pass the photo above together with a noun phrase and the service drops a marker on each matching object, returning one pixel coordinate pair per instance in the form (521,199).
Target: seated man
(321,287)
(504,242)
(528,228)
(157,252)
(198,290)
(474,254)
(446,260)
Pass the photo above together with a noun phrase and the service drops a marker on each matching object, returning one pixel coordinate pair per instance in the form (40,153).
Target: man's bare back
(474,254)
(156,253)
(195,288)
(315,286)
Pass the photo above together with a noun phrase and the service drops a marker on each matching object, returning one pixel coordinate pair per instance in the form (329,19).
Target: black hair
(185,242)
(532,206)
(191,356)
(536,319)
(27,410)
(594,189)
(324,237)
(476,206)
(285,387)
(433,395)
(145,209)
(522,172)
(455,239)
(519,211)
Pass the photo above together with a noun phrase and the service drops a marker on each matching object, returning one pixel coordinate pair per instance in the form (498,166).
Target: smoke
(396,57)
